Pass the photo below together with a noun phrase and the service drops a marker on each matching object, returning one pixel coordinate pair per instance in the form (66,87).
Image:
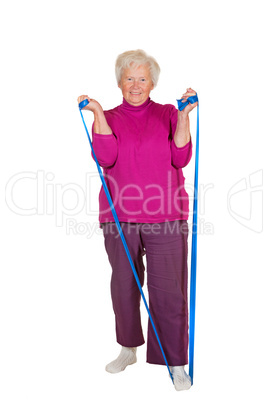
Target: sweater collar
(128,106)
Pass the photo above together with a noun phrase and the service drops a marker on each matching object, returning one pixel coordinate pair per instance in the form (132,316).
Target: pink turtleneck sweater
(142,165)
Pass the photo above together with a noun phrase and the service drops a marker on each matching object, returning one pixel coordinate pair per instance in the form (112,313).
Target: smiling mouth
(135,93)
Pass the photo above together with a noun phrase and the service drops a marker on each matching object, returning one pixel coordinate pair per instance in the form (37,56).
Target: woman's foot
(126,357)
(182,381)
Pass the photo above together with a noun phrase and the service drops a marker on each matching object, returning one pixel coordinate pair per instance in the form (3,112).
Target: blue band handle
(84,103)
(191,99)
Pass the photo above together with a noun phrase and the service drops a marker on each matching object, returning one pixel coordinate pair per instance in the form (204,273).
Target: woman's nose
(136,84)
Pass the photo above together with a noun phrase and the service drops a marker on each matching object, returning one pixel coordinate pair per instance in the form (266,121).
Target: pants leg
(167,276)
(124,290)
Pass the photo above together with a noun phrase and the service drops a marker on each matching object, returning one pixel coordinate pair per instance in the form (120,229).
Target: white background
(57,325)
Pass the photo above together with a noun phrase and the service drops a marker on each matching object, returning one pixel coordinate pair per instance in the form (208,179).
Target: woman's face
(136,84)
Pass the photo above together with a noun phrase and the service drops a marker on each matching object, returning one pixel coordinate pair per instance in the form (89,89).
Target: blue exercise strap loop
(191,99)
(81,106)
(181,106)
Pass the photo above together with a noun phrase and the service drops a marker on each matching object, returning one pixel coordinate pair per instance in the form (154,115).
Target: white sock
(182,381)
(126,357)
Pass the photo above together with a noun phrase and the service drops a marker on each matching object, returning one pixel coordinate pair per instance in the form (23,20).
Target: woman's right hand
(93,105)
(100,124)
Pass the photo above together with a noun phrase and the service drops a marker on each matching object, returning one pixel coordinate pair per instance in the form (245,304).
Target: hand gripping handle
(84,103)
(191,99)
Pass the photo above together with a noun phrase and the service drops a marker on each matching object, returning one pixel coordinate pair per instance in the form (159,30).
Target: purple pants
(165,247)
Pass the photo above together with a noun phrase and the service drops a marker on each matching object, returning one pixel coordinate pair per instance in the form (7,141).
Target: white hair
(137,57)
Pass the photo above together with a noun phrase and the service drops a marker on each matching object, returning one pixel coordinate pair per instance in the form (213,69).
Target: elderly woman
(142,147)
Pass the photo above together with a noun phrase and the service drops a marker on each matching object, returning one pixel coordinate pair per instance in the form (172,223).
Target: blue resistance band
(181,106)
(81,106)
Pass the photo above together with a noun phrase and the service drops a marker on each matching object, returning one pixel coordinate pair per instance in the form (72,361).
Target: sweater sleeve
(105,148)
(180,156)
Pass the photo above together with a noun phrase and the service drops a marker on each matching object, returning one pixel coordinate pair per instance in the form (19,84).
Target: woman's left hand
(191,106)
